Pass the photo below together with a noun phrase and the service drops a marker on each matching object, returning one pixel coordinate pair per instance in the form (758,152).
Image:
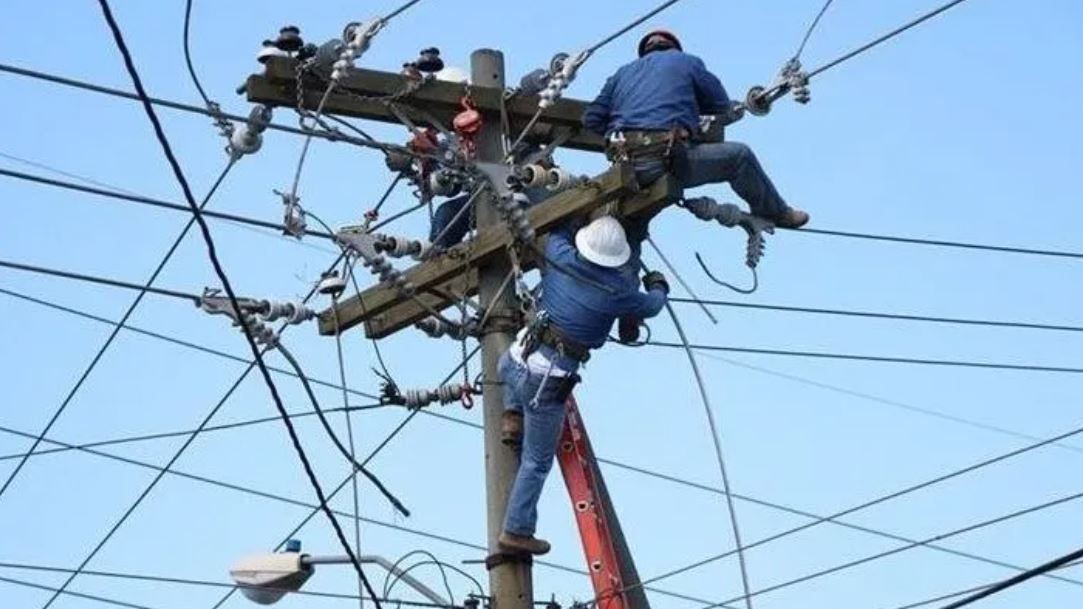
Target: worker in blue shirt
(587,283)
(649,110)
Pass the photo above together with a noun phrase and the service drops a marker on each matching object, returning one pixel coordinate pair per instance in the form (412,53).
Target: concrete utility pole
(510,582)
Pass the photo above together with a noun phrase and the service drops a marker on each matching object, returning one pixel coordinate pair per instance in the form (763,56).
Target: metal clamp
(366,245)
(791,77)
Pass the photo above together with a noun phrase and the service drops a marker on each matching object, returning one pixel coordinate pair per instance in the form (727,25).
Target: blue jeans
(543,422)
(710,163)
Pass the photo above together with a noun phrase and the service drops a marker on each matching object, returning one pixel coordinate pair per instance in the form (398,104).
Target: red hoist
(467,124)
(608,558)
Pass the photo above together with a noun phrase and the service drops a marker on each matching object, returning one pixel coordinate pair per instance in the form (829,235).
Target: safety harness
(639,145)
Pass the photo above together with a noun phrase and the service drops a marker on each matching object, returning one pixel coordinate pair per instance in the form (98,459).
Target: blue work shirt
(584,312)
(659,91)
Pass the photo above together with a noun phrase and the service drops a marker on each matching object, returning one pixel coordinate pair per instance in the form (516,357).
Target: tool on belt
(635,145)
(541,332)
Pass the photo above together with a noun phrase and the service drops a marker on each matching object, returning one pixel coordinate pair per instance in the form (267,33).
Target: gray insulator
(706,208)
(534,82)
(534,176)
(400,247)
(259,118)
(558,179)
(435,327)
(244,141)
(292,312)
(259,331)
(326,55)
(444,394)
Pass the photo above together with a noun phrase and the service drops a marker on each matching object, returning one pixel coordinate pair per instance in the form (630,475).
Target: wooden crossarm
(442,281)
(277,87)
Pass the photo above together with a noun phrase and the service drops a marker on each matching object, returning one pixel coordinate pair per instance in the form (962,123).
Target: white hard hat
(453,74)
(603,242)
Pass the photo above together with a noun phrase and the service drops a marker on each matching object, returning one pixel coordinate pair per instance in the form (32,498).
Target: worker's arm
(710,94)
(645,305)
(596,116)
(560,246)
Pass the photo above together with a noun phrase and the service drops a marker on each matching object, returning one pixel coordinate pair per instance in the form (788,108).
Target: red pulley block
(467,122)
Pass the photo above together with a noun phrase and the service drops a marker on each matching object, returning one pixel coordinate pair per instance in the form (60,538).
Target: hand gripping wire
(729,215)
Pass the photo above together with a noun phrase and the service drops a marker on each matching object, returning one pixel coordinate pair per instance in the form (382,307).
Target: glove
(655,280)
(628,330)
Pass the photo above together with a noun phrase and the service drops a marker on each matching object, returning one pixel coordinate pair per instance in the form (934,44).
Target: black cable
(880,315)
(633,24)
(114,283)
(951,595)
(811,28)
(1018,579)
(885,37)
(165,103)
(165,435)
(220,272)
(399,10)
(941,243)
(143,289)
(877,358)
(432,560)
(330,431)
(345,482)
(188,56)
(144,200)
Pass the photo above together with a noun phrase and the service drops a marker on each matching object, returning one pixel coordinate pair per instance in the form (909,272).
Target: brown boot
(793,218)
(520,544)
(511,428)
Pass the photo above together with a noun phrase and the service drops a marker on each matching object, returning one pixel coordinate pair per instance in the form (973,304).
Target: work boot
(522,544)
(793,218)
(511,428)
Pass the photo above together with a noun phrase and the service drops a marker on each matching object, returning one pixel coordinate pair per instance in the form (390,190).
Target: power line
(885,37)
(942,243)
(182,181)
(87,86)
(212,584)
(1018,579)
(881,499)
(1042,443)
(82,595)
(153,202)
(880,315)
(811,29)
(875,358)
(700,347)
(967,529)
(944,597)
(624,30)
(114,283)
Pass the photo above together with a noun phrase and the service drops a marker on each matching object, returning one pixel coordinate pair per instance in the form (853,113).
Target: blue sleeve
(560,246)
(596,116)
(710,94)
(646,305)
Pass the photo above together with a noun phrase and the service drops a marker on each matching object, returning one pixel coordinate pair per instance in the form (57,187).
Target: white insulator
(244,141)
(559,179)
(400,247)
(444,394)
(292,312)
(425,251)
(534,176)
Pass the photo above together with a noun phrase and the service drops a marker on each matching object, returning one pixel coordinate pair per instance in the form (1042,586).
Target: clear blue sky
(966,128)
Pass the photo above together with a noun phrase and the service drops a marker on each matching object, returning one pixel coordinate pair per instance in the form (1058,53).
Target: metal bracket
(367,245)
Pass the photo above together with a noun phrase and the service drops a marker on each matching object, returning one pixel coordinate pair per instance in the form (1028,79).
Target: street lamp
(266,578)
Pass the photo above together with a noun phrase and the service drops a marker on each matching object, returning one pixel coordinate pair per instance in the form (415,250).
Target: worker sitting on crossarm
(649,111)
(587,283)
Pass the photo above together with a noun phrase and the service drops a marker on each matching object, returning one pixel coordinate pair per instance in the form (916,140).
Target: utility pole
(510,581)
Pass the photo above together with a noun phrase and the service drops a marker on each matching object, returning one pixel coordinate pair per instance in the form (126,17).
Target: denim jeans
(710,163)
(543,421)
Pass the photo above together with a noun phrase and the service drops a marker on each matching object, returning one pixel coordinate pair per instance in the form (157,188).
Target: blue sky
(965,128)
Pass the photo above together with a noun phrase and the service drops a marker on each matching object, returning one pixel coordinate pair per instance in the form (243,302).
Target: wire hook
(755,278)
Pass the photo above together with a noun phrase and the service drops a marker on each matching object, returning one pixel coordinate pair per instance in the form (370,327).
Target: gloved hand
(628,330)
(655,280)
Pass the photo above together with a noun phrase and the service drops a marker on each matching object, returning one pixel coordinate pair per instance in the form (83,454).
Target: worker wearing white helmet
(588,282)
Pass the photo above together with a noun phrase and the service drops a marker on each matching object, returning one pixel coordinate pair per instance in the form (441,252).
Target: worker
(649,110)
(587,283)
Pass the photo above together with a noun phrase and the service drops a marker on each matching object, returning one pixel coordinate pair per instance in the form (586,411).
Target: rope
(220,272)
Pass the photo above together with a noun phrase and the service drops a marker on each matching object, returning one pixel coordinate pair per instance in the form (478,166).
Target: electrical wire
(188,55)
(877,358)
(884,38)
(879,315)
(944,597)
(811,28)
(120,195)
(324,503)
(165,103)
(143,289)
(113,283)
(182,181)
(213,584)
(967,529)
(624,30)
(1061,561)
(389,584)
(717,440)
(330,431)
(882,499)
(82,595)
